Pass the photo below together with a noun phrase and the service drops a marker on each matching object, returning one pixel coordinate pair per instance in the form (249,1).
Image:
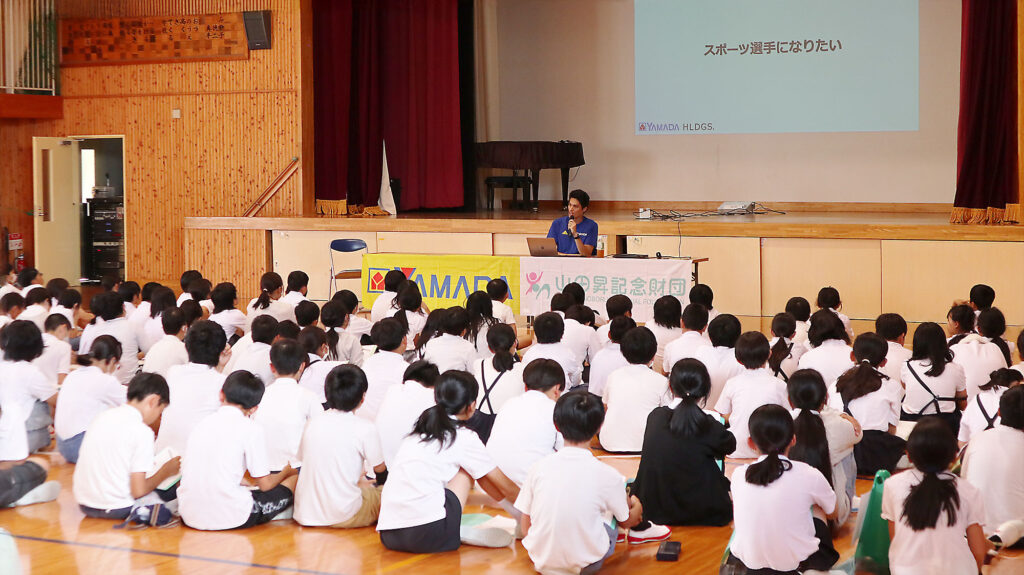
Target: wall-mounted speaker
(257,29)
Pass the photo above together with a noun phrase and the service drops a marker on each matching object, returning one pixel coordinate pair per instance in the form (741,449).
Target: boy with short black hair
(55,362)
(297,288)
(27,398)
(695,322)
(117,453)
(548,329)
(37,307)
(564,521)
(618,305)
(701,294)
(610,357)
(336,446)
(221,449)
(109,307)
(632,393)
(385,368)
(720,357)
(187,277)
(450,350)
(358,326)
(893,329)
(497,290)
(168,351)
(131,293)
(69,305)
(982,297)
(579,335)
(307,313)
(753,387)
(255,358)
(286,406)
(11,306)
(403,404)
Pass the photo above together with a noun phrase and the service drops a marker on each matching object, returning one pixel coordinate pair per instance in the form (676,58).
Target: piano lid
(529,155)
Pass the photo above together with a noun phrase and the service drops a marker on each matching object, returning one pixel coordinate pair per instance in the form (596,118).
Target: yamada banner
(444,280)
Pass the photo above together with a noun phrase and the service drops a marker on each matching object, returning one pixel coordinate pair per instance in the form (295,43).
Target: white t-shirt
(874,411)
(973,421)
(56,358)
(358,326)
(510,384)
(283,413)
(831,359)
(402,406)
(561,354)
(117,444)
(414,492)
(231,320)
(195,393)
(605,362)
(941,549)
(124,333)
(523,434)
(8,288)
(85,394)
(772,524)
(293,298)
(35,313)
(683,347)
(224,446)
(742,395)
(894,360)
(722,366)
(568,517)
(503,313)
(792,361)
(801,333)
(992,464)
(416,321)
(382,306)
(314,377)
(917,398)
(348,349)
(67,313)
(237,351)
(166,353)
(631,394)
(21,385)
(277,309)
(582,340)
(152,332)
(448,351)
(138,317)
(256,360)
(664,336)
(383,370)
(979,357)
(335,447)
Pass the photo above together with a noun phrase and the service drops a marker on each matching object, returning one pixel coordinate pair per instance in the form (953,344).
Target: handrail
(274,187)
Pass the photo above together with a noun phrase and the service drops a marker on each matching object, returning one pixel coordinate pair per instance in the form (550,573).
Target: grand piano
(532,157)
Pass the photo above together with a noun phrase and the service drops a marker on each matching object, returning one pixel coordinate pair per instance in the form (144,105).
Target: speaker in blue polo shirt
(575,234)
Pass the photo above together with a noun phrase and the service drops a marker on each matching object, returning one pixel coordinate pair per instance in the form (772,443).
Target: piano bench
(514,182)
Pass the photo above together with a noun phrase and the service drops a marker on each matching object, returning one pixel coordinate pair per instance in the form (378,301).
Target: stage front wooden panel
(310,252)
(236,256)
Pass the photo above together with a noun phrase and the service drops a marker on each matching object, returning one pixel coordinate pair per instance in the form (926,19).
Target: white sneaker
(649,535)
(46,492)
(486,536)
(286,514)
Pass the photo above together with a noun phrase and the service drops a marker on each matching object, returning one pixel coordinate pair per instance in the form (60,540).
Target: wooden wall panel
(310,252)
(237,256)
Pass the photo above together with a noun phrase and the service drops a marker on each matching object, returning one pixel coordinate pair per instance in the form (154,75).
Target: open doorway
(79,207)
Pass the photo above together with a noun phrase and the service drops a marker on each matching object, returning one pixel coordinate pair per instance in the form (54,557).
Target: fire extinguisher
(19,263)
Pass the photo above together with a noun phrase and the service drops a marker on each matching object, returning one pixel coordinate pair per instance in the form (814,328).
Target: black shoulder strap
(488,388)
(991,421)
(935,399)
(778,372)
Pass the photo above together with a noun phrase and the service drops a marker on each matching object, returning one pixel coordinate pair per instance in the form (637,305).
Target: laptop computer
(542,247)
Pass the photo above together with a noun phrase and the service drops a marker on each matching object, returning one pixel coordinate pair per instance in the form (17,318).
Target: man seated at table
(575,234)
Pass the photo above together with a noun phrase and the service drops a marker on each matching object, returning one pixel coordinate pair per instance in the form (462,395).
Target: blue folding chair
(346,247)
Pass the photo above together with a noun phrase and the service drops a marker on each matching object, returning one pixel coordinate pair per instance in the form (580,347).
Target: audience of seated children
(807,393)
(336,447)
(85,394)
(500,375)
(116,462)
(387,301)
(786,352)
(141,313)
(960,322)
(170,350)
(341,345)
(992,463)
(11,306)
(524,431)
(187,277)
(830,349)
(225,313)
(828,298)
(497,290)
(386,368)
(667,324)
(934,385)
(153,329)
(695,323)
(69,305)
(936,518)
(286,406)
(199,291)
(680,481)
(579,336)
(55,363)
(481,318)
(610,357)
(297,288)
(37,307)
(269,301)
(307,313)
(874,401)
(432,327)
(223,447)
(313,341)
(432,473)
(403,404)
(110,320)
(565,522)
(751,388)
(195,386)
(450,349)
(775,523)
(982,412)
(255,358)
(26,395)
(893,329)
(618,305)
(358,326)
(548,329)
(632,393)
(410,311)
(701,294)
(720,358)
(131,293)
(984,352)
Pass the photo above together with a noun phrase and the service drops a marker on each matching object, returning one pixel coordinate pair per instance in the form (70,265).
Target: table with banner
(447,280)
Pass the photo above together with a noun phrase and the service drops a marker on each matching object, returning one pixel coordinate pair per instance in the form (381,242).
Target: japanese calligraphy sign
(444,281)
(150,39)
(644,281)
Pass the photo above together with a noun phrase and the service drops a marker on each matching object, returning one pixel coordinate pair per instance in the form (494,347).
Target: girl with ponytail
(937,517)
(408,302)
(983,352)
(341,346)
(786,352)
(982,412)
(501,375)
(481,319)
(432,473)
(934,385)
(874,401)
(679,480)
(773,526)
(86,393)
(269,301)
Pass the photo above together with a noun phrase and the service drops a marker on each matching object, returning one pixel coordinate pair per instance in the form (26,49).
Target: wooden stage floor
(56,538)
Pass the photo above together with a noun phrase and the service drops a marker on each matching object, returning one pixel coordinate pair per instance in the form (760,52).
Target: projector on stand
(736,208)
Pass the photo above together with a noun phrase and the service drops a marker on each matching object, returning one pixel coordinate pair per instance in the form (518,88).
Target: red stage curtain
(387,70)
(987,162)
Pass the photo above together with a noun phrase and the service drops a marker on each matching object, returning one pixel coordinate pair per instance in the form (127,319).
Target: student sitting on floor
(26,396)
(720,358)
(451,350)
(55,363)
(402,406)
(297,288)
(117,453)
(313,341)
(130,292)
(786,352)
(388,300)
(385,368)
(701,294)
(523,432)
(830,350)
(774,527)
(992,463)
(342,346)
(610,357)
(256,357)
(984,352)
(429,481)
(85,394)
(24,482)
(336,447)
(893,329)
(410,313)
(286,406)
(873,400)
(632,393)
(934,385)
(169,351)
(497,290)
(960,322)
(110,320)
(548,329)
(667,324)
(480,309)
(618,305)
(695,322)
(269,301)
(753,387)
(153,329)
(982,412)
(565,523)
(69,305)
(981,298)
(579,336)
(307,314)
(937,518)
(358,326)
(225,314)
(500,375)
(11,306)
(199,291)
(828,299)
(37,307)
(223,447)
(679,480)
(195,386)
(187,277)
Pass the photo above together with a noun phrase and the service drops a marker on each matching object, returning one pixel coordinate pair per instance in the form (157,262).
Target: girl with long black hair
(934,384)
(269,301)
(786,351)
(984,352)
